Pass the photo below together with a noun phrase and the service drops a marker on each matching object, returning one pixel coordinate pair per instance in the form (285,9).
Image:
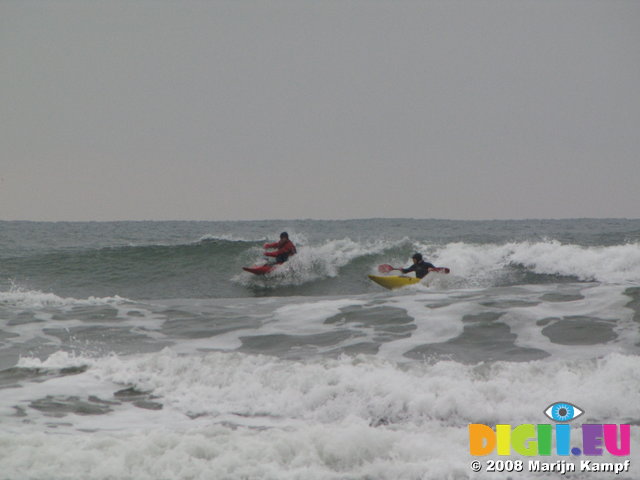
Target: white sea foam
(227,414)
(471,264)
(614,264)
(234,415)
(308,317)
(313,262)
(25,298)
(57,360)
(228,238)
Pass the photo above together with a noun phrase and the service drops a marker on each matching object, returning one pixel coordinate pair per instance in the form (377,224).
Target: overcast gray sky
(233,110)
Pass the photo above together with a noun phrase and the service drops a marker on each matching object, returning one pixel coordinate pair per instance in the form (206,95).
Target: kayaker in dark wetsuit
(285,248)
(419,266)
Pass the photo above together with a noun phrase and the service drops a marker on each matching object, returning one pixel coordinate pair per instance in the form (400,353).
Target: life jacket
(285,250)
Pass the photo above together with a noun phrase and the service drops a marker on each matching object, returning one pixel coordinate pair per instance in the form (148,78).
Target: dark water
(142,350)
(150,260)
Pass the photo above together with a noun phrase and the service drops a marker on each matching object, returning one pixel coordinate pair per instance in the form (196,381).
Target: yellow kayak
(394,281)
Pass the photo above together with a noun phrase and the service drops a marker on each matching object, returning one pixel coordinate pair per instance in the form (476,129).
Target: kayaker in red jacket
(285,248)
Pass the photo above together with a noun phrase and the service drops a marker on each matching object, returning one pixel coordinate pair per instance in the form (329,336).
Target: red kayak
(259,269)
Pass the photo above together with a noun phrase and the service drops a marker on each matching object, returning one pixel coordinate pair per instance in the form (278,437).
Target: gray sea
(142,350)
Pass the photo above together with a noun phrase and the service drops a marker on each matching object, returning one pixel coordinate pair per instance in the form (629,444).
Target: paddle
(440,270)
(386,268)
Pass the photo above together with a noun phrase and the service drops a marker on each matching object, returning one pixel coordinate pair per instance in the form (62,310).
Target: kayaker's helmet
(284,235)
(417,256)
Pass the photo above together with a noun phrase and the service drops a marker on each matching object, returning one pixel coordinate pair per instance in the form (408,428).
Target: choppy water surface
(142,350)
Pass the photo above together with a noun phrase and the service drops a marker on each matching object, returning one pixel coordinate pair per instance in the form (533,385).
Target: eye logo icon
(563,412)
